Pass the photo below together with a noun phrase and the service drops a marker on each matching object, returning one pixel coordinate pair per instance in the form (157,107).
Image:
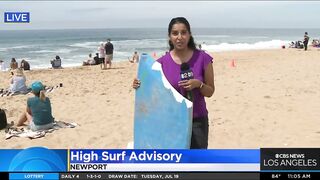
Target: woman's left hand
(189,84)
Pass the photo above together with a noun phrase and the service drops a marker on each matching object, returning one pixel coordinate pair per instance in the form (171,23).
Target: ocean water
(73,46)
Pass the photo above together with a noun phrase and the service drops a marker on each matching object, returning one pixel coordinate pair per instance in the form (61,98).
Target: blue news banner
(54,164)
(39,159)
(42,163)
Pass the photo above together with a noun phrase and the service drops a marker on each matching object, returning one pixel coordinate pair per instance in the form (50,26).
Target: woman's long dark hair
(184,21)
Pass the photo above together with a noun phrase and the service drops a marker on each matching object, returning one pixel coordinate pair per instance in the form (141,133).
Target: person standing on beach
(183,50)
(102,55)
(109,53)
(305,41)
(38,112)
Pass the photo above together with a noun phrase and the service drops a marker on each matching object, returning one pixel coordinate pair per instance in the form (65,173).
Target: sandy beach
(270,98)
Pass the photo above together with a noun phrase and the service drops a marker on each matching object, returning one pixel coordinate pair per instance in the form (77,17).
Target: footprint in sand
(92,140)
(85,91)
(310,92)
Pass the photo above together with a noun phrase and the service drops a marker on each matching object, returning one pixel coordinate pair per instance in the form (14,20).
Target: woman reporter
(183,50)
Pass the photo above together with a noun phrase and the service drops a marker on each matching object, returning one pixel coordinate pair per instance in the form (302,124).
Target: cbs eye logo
(37,159)
(184,75)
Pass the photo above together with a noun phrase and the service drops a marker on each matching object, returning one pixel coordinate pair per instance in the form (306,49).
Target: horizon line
(159,28)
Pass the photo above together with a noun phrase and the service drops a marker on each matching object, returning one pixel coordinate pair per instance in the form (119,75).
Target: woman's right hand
(136,83)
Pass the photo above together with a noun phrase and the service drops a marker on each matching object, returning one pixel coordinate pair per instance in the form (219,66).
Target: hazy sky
(140,14)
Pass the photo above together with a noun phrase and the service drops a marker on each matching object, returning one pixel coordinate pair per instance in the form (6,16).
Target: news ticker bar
(38,159)
(163,176)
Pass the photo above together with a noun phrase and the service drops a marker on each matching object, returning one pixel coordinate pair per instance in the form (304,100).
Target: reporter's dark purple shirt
(198,63)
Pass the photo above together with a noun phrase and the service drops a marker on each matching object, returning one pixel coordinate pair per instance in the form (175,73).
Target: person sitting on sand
(135,57)
(13,64)
(25,65)
(18,82)
(299,45)
(2,65)
(38,112)
(292,44)
(56,63)
(315,43)
(89,61)
(96,59)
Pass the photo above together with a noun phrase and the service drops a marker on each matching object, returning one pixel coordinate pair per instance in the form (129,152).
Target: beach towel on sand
(48,89)
(4,92)
(26,132)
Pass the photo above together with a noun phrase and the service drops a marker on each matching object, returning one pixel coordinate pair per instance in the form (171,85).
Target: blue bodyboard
(162,116)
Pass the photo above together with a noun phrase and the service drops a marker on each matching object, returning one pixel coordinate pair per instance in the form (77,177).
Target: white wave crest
(53,51)
(273,44)
(85,45)
(3,49)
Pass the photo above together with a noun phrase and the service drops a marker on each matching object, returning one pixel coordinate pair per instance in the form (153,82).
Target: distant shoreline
(164,28)
(124,60)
